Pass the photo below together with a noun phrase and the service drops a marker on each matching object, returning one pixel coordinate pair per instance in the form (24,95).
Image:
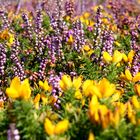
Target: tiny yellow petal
(46,86)
(49,127)
(137,88)
(125,58)
(65,83)
(91,136)
(115,97)
(135,102)
(106,88)
(61,127)
(41,84)
(117,43)
(15,83)
(136,78)
(107,58)
(128,75)
(25,90)
(77,82)
(78,95)
(44,98)
(130,56)
(70,40)
(86,48)
(85,87)
(37,98)
(12,93)
(117,57)
(86,14)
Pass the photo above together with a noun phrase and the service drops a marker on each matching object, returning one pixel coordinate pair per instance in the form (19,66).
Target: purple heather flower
(2,59)
(18,66)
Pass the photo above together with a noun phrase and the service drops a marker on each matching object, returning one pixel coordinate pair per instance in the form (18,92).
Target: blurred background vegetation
(30,5)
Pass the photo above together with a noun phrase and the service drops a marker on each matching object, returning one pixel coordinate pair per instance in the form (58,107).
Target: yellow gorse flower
(137,88)
(86,86)
(102,89)
(135,102)
(130,56)
(49,127)
(107,57)
(70,39)
(91,136)
(57,129)
(116,58)
(77,81)
(1,104)
(45,86)
(61,127)
(128,76)
(66,82)
(106,88)
(19,89)
(136,78)
(6,35)
(86,48)
(99,113)
(124,57)
(44,98)
(36,101)
(86,15)
(131,113)
(78,94)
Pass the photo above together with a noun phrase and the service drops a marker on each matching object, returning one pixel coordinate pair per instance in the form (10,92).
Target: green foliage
(26,119)
(123,131)
(112,72)
(46,22)
(4,122)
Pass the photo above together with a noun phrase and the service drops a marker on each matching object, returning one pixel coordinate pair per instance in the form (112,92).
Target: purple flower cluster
(98,31)
(18,66)
(56,90)
(69,8)
(4,19)
(39,33)
(79,40)
(108,41)
(135,68)
(54,81)
(2,59)
(27,25)
(42,68)
(13,133)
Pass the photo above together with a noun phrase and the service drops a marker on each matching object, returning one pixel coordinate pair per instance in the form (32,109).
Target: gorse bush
(69,77)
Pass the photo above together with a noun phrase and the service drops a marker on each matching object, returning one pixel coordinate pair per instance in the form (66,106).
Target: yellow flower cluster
(85,18)
(133,106)
(102,89)
(6,35)
(100,114)
(45,86)
(128,76)
(19,89)
(57,129)
(118,57)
